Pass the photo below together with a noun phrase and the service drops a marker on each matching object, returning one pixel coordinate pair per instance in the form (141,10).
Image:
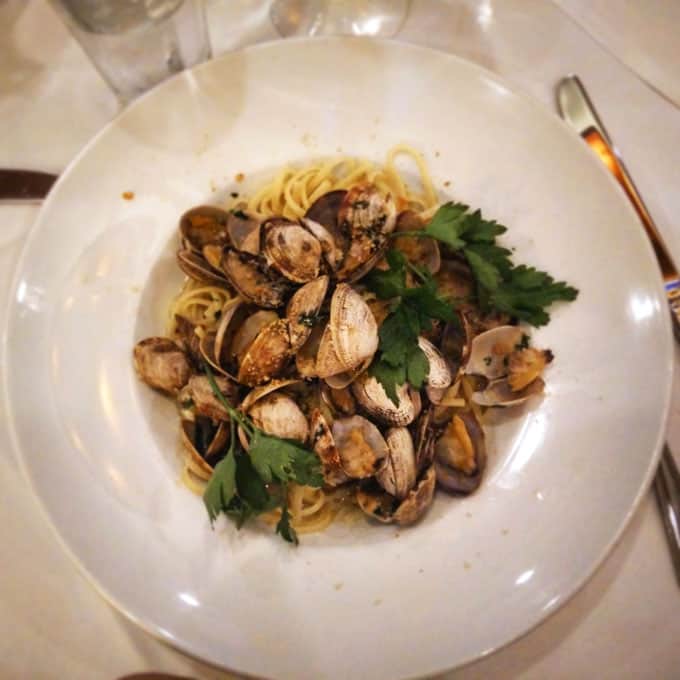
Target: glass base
(374,18)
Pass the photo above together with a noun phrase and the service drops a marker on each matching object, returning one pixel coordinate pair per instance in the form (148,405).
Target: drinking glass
(377,18)
(135,44)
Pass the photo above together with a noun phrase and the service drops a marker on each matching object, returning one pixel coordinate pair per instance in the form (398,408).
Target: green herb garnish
(245,484)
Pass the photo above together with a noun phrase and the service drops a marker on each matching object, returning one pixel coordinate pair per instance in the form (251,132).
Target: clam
(291,250)
(161,364)
(368,216)
(325,209)
(196,267)
(455,342)
(512,370)
(244,232)
(438,375)
(253,280)
(424,436)
(204,225)
(205,441)
(489,351)
(423,252)
(340,381)
(330,249)
(267,355)
(305,356)
(248,330)
(351,336)
(214,346)
(460,454)
(398,475)
(500,393)
(372,398)
(199,393)
(276,412)
(339,400)
(361,447)
(303,308)
(386,508)
(324,446)
(186,338)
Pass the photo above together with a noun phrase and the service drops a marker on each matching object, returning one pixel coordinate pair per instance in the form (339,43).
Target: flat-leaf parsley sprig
(245,484)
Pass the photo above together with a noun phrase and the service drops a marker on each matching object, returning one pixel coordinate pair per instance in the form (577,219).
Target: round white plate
(100,449)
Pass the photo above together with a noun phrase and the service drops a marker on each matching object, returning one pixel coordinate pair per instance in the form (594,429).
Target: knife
(25,186)
(576,109)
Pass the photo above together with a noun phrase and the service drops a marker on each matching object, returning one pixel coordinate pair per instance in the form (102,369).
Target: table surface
(624,622)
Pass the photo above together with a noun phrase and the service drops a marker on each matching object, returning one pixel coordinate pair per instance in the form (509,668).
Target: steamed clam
(162,364)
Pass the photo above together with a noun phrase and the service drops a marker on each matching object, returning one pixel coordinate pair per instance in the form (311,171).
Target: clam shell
(162,364)
(499,393)
(361,446)
(352,333)
(277,414)
(198,390)
(204,225)
(247,275)
(196,267)
(303,308)
(244,232)
(189,432)
(262,391)
(324,446)
(331,250)
(398,475)
(373,399)
(267,354)
(306,356)
(248,331)
(439,375)
(455,471)
(292,250)
(490,350)
(418,500)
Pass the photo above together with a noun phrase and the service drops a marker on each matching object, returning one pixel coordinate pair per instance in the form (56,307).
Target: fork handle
(667,488)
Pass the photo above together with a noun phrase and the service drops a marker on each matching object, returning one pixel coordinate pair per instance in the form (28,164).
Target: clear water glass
(135,44)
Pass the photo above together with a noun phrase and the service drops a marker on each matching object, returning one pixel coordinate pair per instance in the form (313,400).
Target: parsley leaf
(521,291)
(284,528)
(417,367)
(391,282)
(527,292)
(221,488)
(390,377)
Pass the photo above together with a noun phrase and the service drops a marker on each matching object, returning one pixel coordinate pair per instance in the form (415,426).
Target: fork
(576,109)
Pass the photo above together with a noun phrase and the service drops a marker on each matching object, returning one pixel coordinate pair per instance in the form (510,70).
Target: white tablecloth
(625,623)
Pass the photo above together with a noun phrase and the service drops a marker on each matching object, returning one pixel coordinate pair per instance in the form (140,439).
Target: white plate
(368,602)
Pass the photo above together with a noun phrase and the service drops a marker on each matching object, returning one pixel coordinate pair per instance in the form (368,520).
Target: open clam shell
(361,447)
(303,308)
(372,398)
(198,392)
(324,446)
(351,336)
(398,475)
(253,280)
(460,454)
(205,442)
(204,225)
(490,350)
(244,232)
(292,250)
(267,355)
(196,267)
(385,508)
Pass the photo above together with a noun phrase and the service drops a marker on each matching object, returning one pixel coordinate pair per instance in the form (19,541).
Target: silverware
(25,186)
(576,109)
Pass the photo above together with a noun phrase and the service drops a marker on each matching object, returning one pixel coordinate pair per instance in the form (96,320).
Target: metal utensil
(25,186)
(576,109)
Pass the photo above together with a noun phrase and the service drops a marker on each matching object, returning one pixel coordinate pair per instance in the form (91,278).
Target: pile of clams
(293,345)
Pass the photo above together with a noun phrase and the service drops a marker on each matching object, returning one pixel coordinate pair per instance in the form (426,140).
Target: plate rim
(516,91)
